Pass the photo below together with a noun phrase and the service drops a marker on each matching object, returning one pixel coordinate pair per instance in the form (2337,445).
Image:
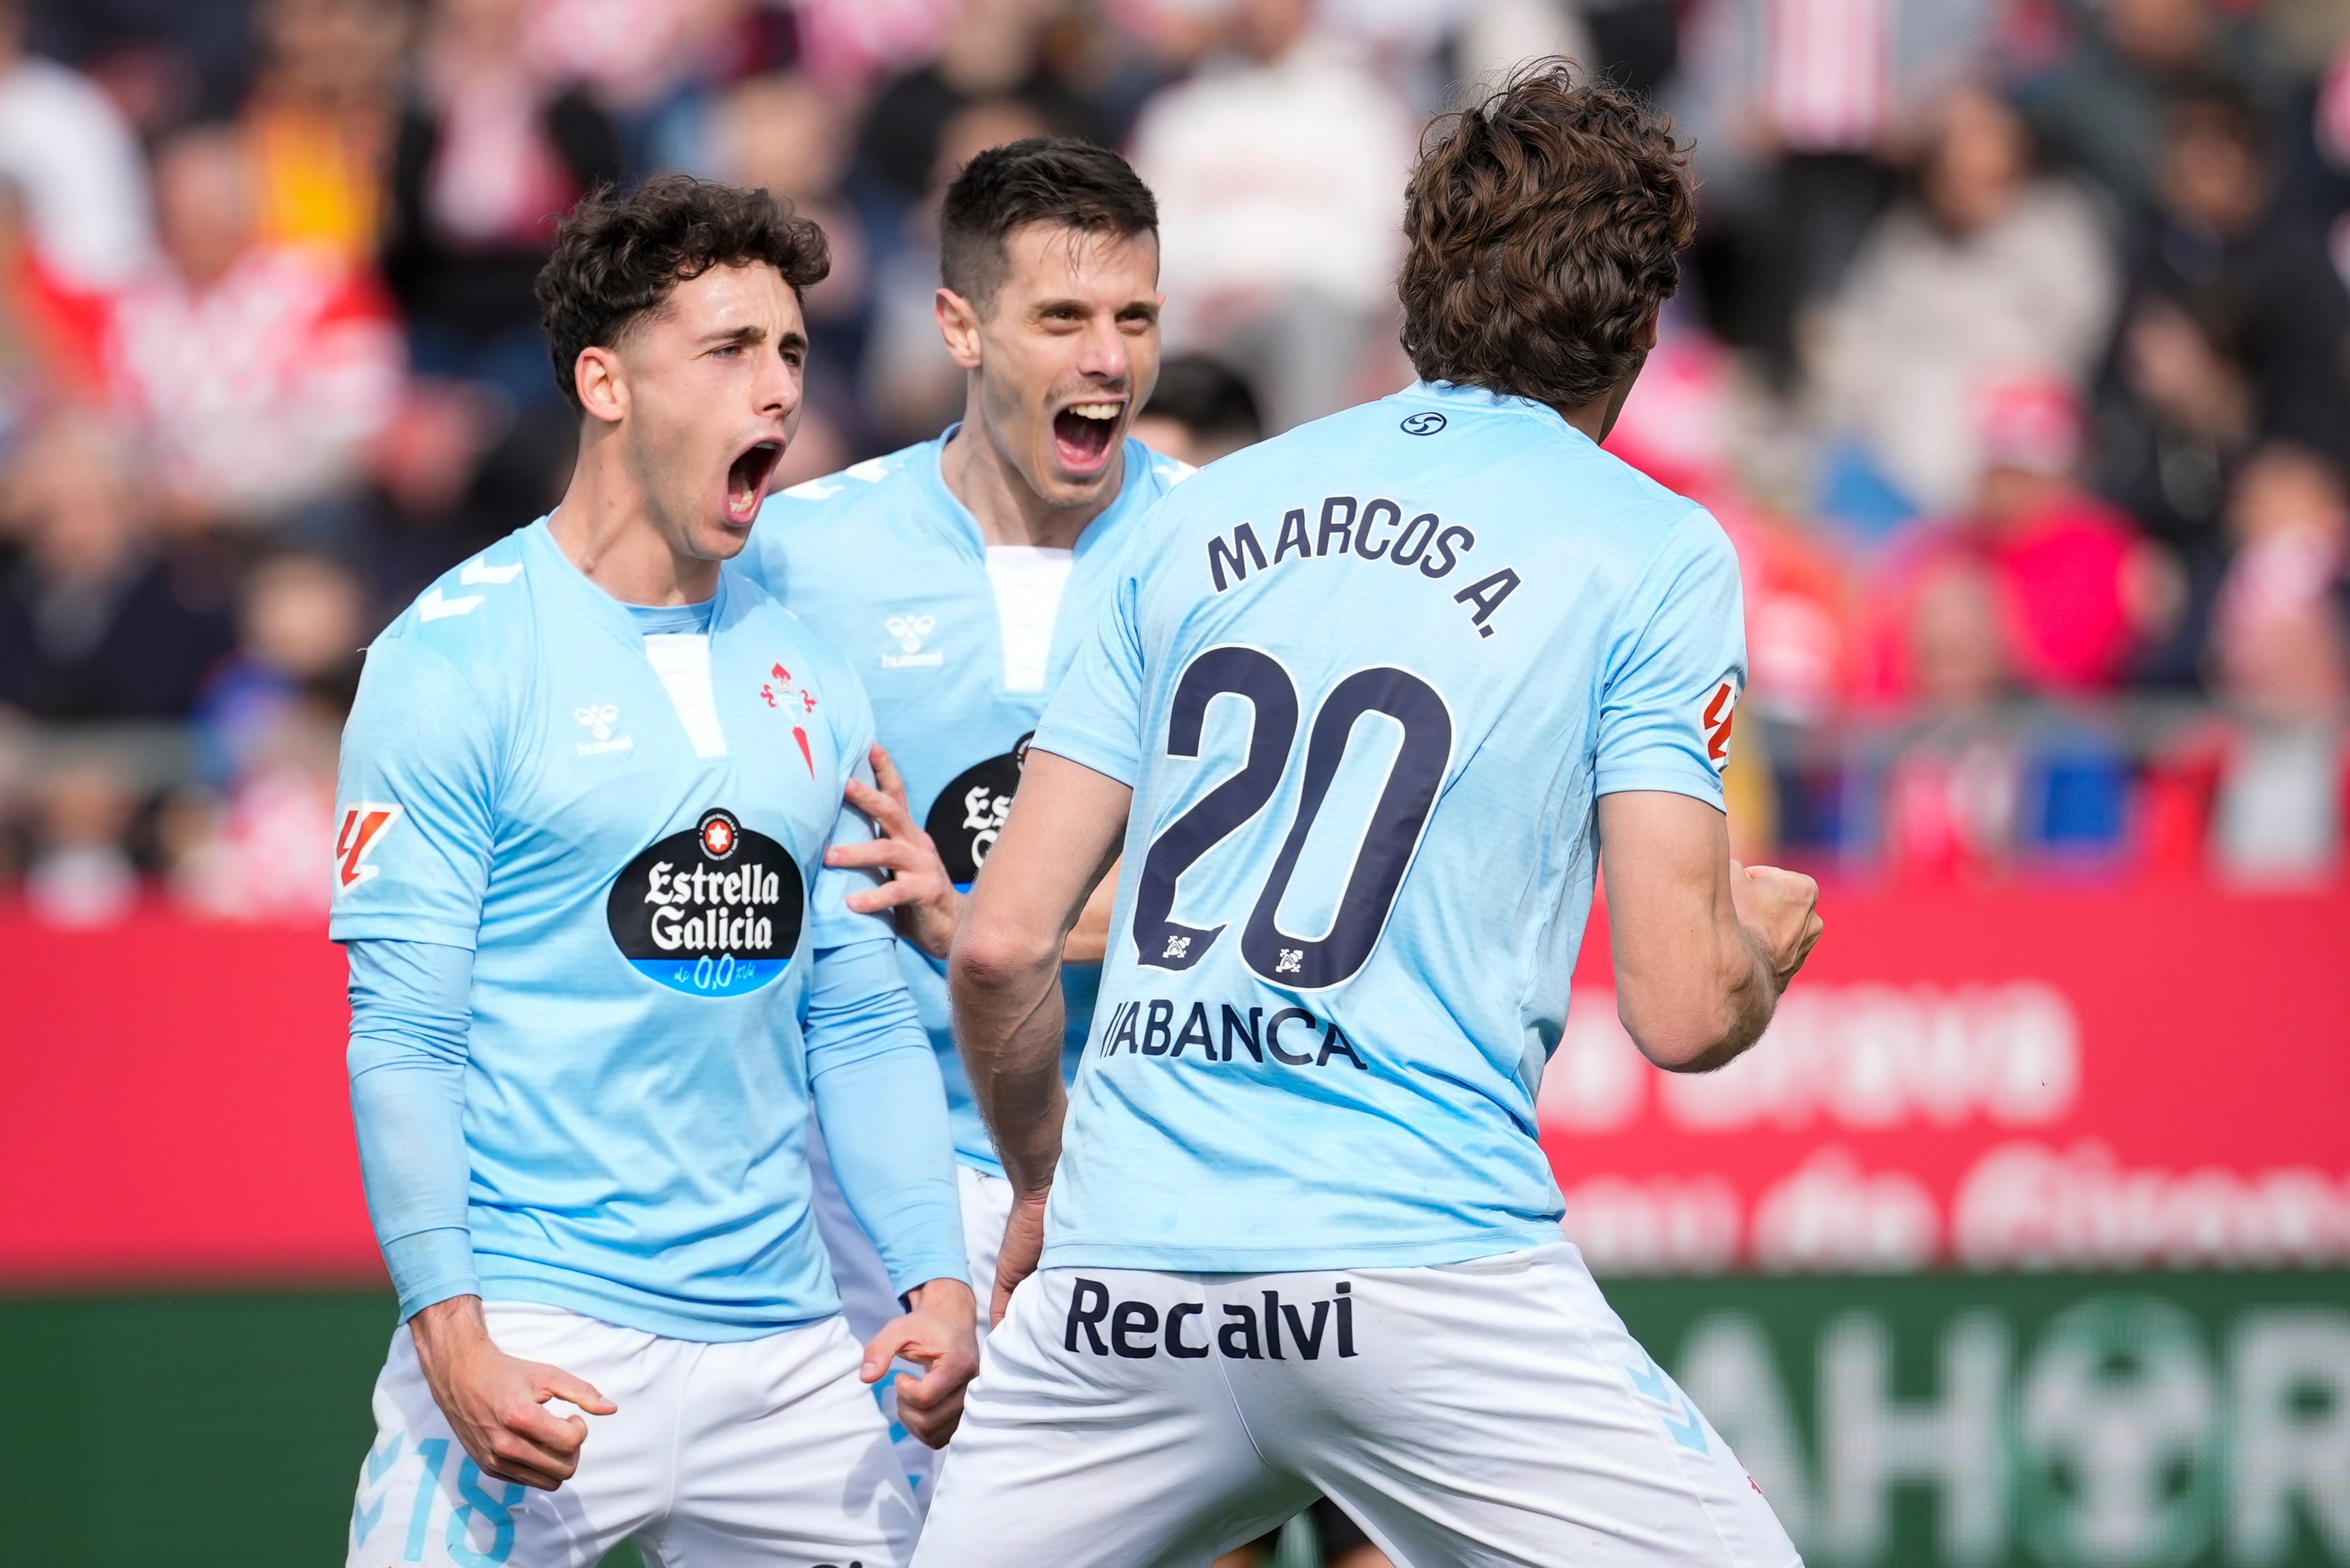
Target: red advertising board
(2090,1078)
(2038,1078)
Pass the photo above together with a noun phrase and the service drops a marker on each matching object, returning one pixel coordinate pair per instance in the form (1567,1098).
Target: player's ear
(602,386)
(959,325)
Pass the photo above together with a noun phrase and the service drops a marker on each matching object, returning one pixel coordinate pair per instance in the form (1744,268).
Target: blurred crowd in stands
(2014,352)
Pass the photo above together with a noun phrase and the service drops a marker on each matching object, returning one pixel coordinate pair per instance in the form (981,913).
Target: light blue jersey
(888,566)
(627,832)
(1367,681)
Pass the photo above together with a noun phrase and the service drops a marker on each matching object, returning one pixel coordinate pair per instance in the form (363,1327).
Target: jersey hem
(609,1305)
(1426,1253)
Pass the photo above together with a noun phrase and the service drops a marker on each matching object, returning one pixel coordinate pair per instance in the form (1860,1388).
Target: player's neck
(604,526)
(1006,507)
(1598,417)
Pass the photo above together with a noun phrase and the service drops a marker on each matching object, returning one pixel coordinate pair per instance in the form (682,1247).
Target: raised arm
(1703,945)
(1063,835)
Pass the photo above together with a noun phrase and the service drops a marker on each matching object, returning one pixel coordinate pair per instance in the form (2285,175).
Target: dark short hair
(1207,398)
(1056,179)
(616,256)
(1544,227)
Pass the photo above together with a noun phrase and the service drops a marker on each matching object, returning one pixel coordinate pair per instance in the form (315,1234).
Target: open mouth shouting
(746,482)
(1085,434)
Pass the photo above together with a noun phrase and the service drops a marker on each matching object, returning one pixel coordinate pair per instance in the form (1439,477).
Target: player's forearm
(883,1110)
(407,1061)
(1008,1025)
(1088,940)
(1695,1004)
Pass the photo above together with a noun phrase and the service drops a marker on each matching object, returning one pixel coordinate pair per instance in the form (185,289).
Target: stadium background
(2014,351)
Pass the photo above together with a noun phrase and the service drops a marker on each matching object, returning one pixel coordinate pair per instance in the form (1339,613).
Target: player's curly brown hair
(1544,225)
(616,256)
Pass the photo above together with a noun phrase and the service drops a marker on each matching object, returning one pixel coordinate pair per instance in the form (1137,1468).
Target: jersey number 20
(1417,773)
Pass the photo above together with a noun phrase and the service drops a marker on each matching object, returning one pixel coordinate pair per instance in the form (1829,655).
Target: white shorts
(763,1451)
(868,1302)
(1485,1413)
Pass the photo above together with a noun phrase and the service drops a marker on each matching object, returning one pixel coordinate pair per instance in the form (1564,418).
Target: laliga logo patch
(968,813)
(362,827)
(1716,720)
(715,911)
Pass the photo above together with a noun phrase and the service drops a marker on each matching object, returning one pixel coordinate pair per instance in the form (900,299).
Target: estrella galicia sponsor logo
(715,911)
(1283,1331)
(969,812)
(1428,422)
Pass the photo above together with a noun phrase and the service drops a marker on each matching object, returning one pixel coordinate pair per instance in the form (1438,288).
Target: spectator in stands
(67,150)
(1796,107)
(2223,245)
(2175,421)
(2104,110)
(2259,794)
(255,374)
(1988,271)
(50,335)
(913,387)
(320,117)
(1950,792)
(81,876)
(2078,591)
(648,63)
(1200,410)
(95,623)
(1278,174)
(299,636)
(489,152)
(2284,771)
(240,850)
(995,50)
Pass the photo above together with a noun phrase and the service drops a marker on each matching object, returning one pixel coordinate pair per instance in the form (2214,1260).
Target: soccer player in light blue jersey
(600,975)
(1375,702)
(961,575)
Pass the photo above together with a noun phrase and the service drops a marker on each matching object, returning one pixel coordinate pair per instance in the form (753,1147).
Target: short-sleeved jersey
(636,862)
(1367,680)
(888,566)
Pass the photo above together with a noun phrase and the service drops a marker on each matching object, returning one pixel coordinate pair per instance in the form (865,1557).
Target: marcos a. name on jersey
(1373,530)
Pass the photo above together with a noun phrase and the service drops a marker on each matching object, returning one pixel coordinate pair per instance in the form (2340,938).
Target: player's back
(1384,665)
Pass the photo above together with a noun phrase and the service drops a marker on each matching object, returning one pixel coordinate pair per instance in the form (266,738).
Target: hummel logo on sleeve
(362,825)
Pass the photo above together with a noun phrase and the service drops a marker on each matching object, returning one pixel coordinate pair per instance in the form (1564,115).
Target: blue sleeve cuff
(432,1266)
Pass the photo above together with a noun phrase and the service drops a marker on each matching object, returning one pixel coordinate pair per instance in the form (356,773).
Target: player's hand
(919,891)
(1024,1245)
(496,1403)
(1780,910)
(940,1334)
